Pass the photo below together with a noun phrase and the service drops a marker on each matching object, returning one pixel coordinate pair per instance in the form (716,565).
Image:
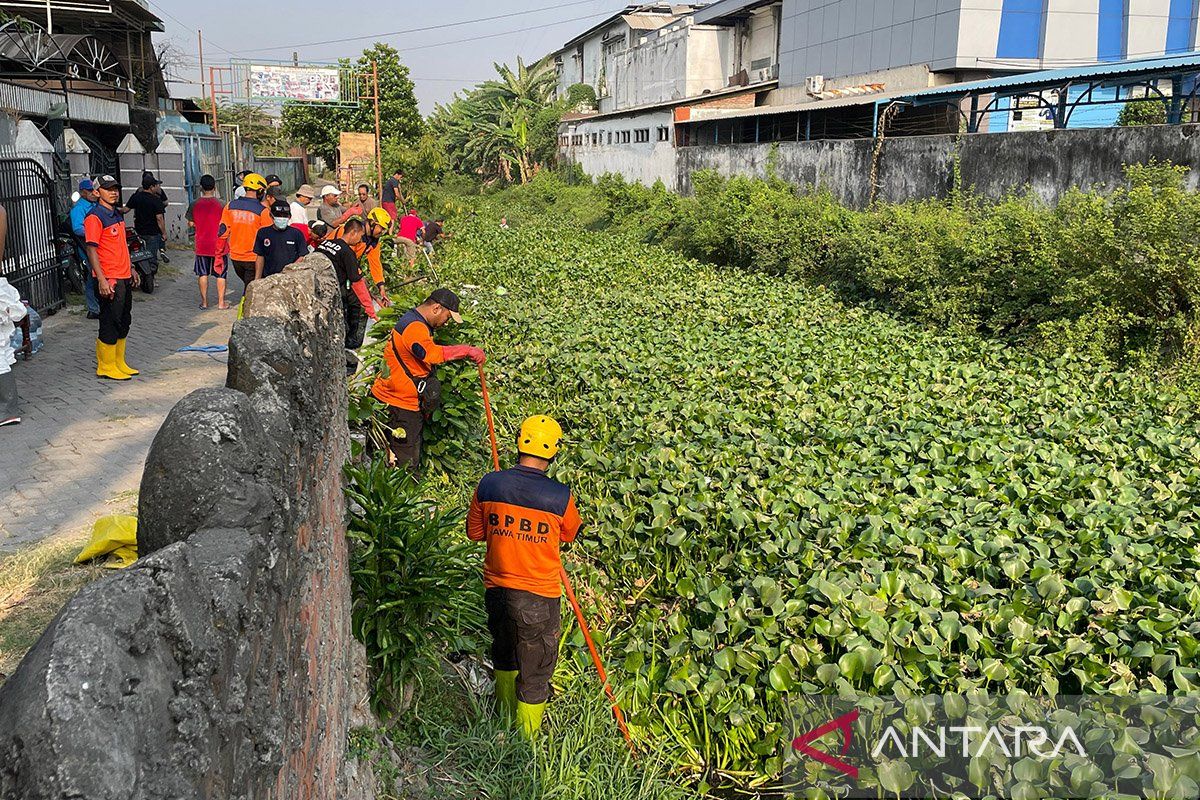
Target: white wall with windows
(638,146)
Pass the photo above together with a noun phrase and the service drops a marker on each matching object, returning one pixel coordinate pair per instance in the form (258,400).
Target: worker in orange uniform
(240,222)
(408,385)
(108,256)
(523,515)
(377,222)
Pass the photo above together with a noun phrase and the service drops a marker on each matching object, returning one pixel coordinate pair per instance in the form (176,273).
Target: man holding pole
(523,515)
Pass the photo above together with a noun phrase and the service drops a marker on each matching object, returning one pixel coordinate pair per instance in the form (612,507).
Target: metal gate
(205,155)
(30,256)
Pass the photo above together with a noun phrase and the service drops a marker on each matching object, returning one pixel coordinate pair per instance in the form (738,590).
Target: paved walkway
(79,451)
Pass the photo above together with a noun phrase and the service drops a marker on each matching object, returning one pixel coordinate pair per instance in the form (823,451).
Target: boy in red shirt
(204,216)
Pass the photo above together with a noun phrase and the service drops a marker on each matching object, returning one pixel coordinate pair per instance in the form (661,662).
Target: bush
(409,570)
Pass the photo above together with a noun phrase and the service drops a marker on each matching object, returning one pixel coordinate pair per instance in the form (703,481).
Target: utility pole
(200,41)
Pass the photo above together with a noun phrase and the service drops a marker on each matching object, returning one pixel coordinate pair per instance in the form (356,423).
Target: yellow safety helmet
(539,437)
(254,181)
(379,217)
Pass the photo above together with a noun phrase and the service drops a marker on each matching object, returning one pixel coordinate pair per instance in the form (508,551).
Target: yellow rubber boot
(506,693)
(106,362)
(122,366)
(529,718)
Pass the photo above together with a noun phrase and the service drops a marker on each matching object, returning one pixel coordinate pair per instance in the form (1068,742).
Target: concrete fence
(1048,163)
(166,162)
(222,664)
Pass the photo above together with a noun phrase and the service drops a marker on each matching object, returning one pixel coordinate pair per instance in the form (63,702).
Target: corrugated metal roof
(648,22)
(703,114)
(719,13)
(1057,77)
(683,101)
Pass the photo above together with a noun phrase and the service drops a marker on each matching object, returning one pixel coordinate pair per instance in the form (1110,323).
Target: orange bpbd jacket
(523,515)
(240,222)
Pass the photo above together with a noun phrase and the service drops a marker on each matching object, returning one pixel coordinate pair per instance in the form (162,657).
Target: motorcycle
(142,258)
(72,270)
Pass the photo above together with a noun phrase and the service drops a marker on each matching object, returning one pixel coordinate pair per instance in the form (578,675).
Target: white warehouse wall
(646,161)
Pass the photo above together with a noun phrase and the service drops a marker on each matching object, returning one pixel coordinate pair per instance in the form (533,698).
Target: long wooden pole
(378,142)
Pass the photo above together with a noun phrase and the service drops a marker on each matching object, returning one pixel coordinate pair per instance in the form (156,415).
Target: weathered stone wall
(1049,163)
(222,664)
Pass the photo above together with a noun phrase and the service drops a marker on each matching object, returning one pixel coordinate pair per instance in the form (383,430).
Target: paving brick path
(79,452)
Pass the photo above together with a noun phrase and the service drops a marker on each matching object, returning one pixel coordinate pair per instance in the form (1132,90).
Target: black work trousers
(406,450)
(116,313)
(356,321)
(525,628)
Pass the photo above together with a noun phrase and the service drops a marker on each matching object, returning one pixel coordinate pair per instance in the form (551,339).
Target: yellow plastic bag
(115,535)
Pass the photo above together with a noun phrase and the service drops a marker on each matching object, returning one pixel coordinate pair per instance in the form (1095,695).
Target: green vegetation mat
(783,495)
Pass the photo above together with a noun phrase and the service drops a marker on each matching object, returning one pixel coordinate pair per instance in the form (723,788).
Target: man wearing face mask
(279,245)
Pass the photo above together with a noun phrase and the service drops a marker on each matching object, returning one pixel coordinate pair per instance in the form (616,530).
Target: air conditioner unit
(814,84)
(763,75)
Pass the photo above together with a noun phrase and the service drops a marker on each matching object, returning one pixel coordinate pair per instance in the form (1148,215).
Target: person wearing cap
(108,254)
(523,516)
(274,180)
(212,252)
(356,300)
(279,245)
(391,194)
(299,206)
(149,214)
(240,223)
(408,385)
(330,211)
(411,227)
(79,212)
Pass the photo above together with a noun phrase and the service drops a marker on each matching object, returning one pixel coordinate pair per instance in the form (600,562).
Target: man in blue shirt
(279,245)
(86,202)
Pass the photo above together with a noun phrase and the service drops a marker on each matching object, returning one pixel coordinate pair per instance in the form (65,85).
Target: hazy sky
(442,60)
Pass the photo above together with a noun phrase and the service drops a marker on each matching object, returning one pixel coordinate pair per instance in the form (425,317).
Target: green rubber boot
(529,718)
(506,692)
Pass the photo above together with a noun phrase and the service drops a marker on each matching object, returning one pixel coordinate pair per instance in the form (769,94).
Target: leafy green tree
(319,127)
(1136,113)
(498,129)
(255,126)
(581,96)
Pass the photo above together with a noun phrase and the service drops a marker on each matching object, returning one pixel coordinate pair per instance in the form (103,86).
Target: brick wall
(222,664)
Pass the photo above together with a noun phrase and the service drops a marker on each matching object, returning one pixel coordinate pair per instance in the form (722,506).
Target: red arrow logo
(842,723)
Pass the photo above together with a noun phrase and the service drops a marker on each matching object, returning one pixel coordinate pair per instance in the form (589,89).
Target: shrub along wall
(222,663)
(1111,274)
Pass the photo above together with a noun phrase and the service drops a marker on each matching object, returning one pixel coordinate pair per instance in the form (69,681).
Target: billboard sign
(310,84)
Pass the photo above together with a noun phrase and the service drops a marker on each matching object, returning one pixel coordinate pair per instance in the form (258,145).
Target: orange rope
(566,582)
